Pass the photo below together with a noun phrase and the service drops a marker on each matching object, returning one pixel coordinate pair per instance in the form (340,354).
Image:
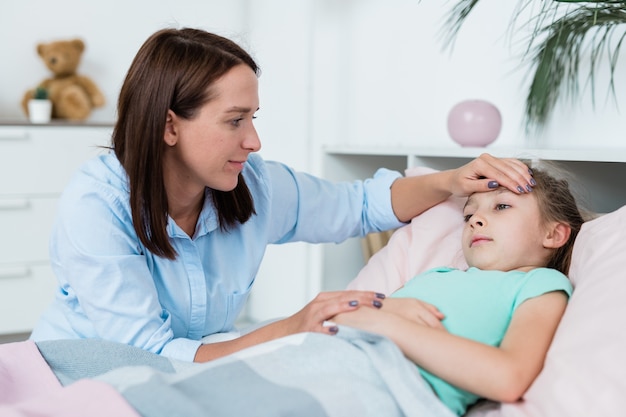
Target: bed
(353,373)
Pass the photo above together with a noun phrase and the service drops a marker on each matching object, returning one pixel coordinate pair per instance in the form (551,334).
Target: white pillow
(585,370)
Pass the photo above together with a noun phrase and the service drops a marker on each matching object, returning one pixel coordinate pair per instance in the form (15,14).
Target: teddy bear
(73,96)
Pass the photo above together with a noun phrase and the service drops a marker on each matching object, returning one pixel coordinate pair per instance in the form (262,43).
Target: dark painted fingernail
(333,329)
(377,304)
(529,188)
(493,184)
(520,189)
(354,303)
(380,295)
(533,182)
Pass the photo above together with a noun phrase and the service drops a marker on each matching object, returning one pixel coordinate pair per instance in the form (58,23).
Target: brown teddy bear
(73,96)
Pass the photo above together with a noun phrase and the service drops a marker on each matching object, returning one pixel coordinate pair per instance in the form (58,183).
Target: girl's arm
(417,311)
(498,373)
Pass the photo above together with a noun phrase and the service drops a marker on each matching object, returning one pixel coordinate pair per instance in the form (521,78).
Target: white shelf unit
(36,162)
(597,177)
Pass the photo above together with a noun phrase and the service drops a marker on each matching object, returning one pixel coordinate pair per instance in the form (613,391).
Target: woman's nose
(252,141)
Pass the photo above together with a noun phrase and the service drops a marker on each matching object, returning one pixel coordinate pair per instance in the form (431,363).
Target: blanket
(307,374)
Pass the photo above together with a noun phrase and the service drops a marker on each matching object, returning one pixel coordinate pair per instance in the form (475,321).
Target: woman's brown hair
(173,70)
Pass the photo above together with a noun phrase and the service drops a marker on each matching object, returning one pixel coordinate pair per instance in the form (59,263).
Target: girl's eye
(502,206)
(467,217)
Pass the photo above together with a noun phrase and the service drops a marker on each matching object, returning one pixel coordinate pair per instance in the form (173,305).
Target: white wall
(386,80)
(378,70)
(280,36)
(112,30)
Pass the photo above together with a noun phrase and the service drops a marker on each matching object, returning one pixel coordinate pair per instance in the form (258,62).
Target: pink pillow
(431,239)
(585,370)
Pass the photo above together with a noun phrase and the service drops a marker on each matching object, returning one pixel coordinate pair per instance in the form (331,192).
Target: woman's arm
(499,373)
(411,196)
(311,318)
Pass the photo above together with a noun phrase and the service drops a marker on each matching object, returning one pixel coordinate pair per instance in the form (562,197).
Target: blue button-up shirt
(111,287)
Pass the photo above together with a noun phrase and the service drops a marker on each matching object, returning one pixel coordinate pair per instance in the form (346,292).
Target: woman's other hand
(396,312)
(325,306)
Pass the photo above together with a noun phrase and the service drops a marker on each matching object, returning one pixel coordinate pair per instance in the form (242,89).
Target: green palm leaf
(586,33)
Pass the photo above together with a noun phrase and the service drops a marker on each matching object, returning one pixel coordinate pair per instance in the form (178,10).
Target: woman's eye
(502,206)
(236,122)
(467,217)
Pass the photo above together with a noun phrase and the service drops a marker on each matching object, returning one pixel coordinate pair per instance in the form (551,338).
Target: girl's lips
(477,240)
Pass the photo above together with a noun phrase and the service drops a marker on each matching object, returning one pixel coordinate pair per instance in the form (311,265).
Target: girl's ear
(557,236)
(170,137)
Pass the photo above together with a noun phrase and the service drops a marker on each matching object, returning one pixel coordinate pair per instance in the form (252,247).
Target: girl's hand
(326,306)
(416,311)
(488,172)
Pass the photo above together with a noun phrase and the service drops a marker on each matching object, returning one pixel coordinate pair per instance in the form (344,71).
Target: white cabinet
(36,162)
(597,177)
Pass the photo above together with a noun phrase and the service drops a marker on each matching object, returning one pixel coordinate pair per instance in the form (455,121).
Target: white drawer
(25,292)
(36,160)
(25,223)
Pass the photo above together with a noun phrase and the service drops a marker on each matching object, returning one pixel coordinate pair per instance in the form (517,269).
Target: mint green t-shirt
(477,305)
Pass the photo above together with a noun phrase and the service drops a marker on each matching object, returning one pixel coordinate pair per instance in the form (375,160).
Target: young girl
(493,323)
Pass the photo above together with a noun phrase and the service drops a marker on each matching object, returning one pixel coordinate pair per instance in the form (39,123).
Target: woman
(157,244)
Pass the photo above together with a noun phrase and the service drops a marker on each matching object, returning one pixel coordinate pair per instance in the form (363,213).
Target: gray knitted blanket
(351,374)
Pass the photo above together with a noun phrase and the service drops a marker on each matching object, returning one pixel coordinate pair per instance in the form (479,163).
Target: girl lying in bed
(492,325)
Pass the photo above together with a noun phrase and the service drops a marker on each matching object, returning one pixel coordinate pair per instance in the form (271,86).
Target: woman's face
(210,149)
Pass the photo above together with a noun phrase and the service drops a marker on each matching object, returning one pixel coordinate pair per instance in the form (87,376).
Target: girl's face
(503,231)
(210,149)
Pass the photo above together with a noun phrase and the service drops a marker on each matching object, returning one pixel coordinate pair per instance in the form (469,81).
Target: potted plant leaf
(40,106)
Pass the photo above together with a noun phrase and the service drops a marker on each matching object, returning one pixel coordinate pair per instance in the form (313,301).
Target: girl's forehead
(477,196)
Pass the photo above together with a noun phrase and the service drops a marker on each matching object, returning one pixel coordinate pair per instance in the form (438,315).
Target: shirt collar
(207,221)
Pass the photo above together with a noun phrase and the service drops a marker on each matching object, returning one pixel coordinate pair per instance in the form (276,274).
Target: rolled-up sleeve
(307,208)
(181,349)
